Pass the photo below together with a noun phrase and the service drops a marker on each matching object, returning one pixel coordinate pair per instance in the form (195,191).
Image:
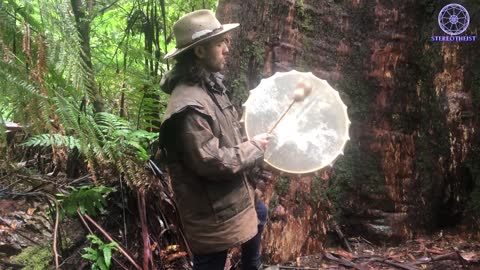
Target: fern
(114,134)
(87,199)
(109,122)
(49,140)
(101,255)
(120,137)
(54,105)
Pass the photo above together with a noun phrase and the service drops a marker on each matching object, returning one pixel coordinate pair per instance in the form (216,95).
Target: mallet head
(304,88)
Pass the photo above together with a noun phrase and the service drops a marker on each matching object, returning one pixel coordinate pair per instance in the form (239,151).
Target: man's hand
(262,139)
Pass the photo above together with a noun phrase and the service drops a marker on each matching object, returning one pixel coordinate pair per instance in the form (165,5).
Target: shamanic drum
(311,135)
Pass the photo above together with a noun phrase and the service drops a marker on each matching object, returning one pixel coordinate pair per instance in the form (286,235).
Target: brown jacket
(207,160)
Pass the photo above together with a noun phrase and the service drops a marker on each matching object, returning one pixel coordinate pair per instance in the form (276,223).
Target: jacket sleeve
(202,154)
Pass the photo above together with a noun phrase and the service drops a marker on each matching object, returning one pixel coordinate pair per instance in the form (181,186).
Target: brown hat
(196,27)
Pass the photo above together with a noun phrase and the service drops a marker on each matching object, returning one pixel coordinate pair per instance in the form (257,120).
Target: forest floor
(445,250)
(24,223)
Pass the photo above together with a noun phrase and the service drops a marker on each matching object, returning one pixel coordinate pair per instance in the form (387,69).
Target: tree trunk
(410,164)
(80,10)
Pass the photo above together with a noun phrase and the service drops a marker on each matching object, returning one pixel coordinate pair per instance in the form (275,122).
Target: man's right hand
(262,139)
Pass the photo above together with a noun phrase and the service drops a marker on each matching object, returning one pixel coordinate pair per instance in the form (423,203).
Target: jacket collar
(214,82)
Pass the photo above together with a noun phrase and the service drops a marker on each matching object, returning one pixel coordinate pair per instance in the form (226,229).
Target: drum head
(312,133)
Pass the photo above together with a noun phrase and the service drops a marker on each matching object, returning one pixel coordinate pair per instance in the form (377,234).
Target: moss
(239,94)
(257,50)
(428,149)
(298,196)
(35,258)
(272,204)
(282,186)
(317,192)
(356,174)
(280,8)
(252,61)
(303,18)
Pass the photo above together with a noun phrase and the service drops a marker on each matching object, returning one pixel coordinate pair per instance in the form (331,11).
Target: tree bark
(410,165)
(83,17)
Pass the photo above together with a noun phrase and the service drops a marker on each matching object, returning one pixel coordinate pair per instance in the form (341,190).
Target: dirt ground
(445,250)
(25,222)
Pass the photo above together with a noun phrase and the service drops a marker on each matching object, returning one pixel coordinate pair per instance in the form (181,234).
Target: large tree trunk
(410,164)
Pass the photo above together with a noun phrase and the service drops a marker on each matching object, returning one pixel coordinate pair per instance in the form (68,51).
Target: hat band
(202,34)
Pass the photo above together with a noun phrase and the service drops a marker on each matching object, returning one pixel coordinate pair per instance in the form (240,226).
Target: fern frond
(109,122)
(49,140)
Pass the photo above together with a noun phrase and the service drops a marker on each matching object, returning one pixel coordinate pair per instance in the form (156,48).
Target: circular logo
(453,19)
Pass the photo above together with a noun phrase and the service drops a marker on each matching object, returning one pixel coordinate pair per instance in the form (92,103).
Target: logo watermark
(454,19)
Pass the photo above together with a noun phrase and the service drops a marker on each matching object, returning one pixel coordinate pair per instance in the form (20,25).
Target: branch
(91,232)
(120,248)
(55,235)
(277,267)
(454,256)
(342,261)
(398,265)
(342,236)
(147,252)
(105,8)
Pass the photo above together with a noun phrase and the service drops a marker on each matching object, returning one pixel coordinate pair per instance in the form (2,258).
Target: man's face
(214,53)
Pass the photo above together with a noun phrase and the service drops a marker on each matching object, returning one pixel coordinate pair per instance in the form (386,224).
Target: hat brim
(226,28)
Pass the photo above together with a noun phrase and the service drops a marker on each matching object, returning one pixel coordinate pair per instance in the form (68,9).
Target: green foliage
(318,192)
(101,255)
(115,136)
(90,200)
(48,140)
(34,257)
(49,87)
(240,84)
(273,204)
(118,137)
(282,186)
(46,87)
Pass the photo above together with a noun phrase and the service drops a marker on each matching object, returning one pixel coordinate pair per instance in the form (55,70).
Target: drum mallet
(302,90)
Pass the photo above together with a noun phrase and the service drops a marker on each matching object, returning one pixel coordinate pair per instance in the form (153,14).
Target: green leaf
(88,199)
(49,140)
(94,239)
(107,254)
(101,264)
(91,257)
(112,245)
(82,210)
(90,250)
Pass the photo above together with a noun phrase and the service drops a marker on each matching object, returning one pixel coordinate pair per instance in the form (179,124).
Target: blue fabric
(262,213)
(251,258)
(211,261)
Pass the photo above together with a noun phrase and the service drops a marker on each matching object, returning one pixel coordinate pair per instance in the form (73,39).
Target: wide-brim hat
(196,27)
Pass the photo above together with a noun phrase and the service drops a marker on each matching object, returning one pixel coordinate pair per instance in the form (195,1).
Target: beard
(214,66)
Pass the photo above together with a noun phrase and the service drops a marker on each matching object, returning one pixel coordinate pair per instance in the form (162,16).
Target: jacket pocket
(228,198)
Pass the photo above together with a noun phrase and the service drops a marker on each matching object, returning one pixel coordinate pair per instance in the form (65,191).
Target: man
(205,155)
